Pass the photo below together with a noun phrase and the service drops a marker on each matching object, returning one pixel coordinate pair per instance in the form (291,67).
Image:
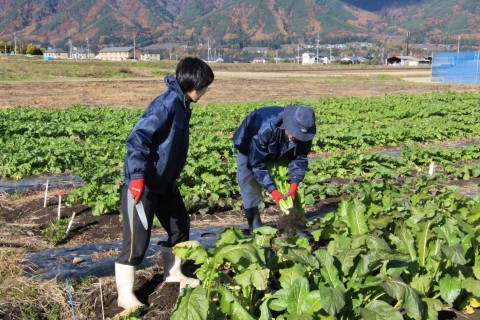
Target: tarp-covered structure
(456,67)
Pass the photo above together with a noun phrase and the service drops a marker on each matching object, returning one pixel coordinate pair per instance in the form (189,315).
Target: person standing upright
(156,155)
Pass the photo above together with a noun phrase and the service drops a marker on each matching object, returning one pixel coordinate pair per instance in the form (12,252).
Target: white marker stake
(59,204)
(70,223)
(46,193)
(101,299)
(431,169)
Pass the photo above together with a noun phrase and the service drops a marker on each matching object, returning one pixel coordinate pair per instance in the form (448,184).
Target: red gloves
(276,196)
(136,188)
(293,190)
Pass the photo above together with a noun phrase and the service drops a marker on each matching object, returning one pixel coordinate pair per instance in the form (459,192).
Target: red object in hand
(276,196)
(293,190)
(136,188)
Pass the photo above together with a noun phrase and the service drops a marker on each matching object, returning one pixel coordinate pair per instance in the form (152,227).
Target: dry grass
(26,298)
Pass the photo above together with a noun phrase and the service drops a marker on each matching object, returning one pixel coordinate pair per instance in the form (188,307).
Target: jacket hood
(173,84)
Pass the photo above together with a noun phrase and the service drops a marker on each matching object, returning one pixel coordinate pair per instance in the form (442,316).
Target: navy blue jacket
(158,144)
(261,139)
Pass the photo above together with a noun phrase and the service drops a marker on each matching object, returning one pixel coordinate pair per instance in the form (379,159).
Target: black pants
(170,211)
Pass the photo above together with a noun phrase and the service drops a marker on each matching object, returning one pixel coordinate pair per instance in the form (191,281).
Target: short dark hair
(193,74)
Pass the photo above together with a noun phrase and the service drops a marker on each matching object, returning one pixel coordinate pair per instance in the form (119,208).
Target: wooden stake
(46,193)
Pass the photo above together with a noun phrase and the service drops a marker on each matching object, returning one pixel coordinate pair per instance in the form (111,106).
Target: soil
(240,87)
(23,221)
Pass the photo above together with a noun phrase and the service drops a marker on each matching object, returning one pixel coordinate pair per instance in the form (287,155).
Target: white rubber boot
(125,278)
(172,271)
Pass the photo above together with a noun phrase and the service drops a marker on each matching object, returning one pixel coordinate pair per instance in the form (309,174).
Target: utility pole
(15,42)
(408,36)
(209,50)
(330,57)
(458,44)
(88,49)
(318,44)
(134,46)
(298,53)
(70,48)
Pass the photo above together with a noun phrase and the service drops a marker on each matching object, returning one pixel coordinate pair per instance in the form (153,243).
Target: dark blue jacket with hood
(261,139)
(158,144)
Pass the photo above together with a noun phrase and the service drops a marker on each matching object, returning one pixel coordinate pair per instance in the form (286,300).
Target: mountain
(233,23)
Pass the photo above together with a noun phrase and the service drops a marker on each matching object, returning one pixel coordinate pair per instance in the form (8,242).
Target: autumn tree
(34,50)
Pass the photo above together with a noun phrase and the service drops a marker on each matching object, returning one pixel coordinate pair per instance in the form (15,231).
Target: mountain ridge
(233,23)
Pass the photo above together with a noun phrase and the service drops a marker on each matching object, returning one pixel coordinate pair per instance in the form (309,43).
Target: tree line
(21,48)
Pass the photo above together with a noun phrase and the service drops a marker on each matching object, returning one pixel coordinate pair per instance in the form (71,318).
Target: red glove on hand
(136,188)
(293,190)
(276,196)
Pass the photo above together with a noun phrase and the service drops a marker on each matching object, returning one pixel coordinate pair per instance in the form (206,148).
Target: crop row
(89,142)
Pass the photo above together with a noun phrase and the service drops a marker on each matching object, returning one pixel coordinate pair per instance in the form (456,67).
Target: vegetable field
(403,242)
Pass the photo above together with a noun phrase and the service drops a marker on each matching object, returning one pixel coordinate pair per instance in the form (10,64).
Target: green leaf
(302,256)
(313,302)
(356,217)
(433,306)
(399,290)
(233,253)
(342,208)
(191,249)
(192,304)
(231,306)
(229,236)
(265,313)
(422,241)
(380,310)
(450,288)
(454,254)
(405,241)
(333,300)
(346,258)
(290,275)
(328,269)
(422,282)
(257,278)
(309,200)
(447,233)
(472,286)
(297,297)
(263,235)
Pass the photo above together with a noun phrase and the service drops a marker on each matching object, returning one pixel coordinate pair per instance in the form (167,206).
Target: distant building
(119,54)
(407,61)
(56,54)
(82,54)
(259,60)
(150,56)
(311,58)
(255,49)
(354,60)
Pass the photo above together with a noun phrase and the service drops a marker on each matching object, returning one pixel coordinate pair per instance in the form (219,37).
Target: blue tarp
(456,67)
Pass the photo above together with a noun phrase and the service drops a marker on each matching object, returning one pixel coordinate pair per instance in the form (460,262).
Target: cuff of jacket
(271,188)
(139,175)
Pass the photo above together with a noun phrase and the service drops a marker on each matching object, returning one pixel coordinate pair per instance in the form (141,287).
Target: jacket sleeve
(139,142)
(298,166)
(257,159)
